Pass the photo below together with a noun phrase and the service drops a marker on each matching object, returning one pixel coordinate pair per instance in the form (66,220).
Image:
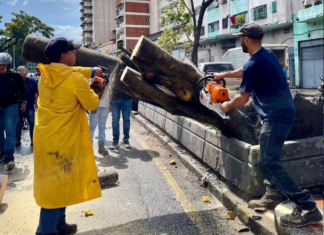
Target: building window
(147,19)
(274,7)
(213,27)
(225,23)
(202,30)
(260,12)
(223,2)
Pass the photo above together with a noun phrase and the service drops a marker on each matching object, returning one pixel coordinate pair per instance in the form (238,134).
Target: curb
(265,226)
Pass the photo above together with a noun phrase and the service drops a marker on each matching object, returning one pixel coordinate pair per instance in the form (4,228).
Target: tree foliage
(183,18)
(183,23)
(19,27)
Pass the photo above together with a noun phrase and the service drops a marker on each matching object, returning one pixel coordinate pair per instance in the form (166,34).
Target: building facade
(132,20)
(309,47)
(97,22)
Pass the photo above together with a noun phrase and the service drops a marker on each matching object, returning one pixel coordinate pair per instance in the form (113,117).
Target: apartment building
(97,22)
(132,21)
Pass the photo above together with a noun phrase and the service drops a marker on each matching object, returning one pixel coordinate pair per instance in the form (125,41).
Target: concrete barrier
(236,161)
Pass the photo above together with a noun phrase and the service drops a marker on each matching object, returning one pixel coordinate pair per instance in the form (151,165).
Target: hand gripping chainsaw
(99,84)
(212,95)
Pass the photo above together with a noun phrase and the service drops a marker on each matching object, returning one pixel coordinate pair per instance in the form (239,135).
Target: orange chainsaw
(212,95)
(99,84)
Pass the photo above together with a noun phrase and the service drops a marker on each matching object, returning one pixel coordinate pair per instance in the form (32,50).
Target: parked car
(220,67)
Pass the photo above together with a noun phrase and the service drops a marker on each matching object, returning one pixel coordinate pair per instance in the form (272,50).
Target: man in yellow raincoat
(65,171)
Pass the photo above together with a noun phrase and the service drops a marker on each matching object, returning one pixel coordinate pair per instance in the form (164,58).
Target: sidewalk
(263,224)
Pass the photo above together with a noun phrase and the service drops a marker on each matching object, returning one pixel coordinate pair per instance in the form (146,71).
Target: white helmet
(5,58)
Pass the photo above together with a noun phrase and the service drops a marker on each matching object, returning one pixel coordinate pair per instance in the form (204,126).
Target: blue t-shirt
(265,79)
(31,89)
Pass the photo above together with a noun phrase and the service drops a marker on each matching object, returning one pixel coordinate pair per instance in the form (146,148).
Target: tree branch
(8,40)
(191,12)
(9,46)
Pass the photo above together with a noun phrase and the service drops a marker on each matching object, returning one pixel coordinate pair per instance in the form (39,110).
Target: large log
(160,67)
(239,125)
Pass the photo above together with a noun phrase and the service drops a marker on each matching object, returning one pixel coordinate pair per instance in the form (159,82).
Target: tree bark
(159,67)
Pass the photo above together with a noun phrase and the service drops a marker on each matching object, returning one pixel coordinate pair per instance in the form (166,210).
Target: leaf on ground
(230,215)
(173,162)
(88,213)
(205,199)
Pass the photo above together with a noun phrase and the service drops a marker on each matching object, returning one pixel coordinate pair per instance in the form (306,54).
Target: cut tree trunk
(159,68)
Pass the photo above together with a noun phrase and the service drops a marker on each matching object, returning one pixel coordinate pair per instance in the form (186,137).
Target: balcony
(87,12)
(88,4)
(120,37)
(88,28)
(311,14)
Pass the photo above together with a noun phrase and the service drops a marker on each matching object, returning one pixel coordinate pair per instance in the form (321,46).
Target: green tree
(183,16)
(19,27)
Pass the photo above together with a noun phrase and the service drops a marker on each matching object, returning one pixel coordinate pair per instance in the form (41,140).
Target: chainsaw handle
(196,90)
(223,82)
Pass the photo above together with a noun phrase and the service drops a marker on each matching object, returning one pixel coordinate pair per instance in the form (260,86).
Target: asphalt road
(151,197)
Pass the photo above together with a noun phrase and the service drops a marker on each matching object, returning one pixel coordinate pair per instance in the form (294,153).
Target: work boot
(114,145)
(67,229)
(102,150)
(269,201)
(300,218)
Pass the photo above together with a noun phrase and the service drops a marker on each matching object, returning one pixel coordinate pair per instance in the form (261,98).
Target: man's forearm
(234,74)
(238,101)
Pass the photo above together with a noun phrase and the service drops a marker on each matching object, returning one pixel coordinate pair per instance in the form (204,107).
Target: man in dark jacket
(31,99)
(12,91)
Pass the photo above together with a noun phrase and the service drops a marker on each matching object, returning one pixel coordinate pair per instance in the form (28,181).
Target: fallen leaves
(88,213)
(205,199)
(173,162)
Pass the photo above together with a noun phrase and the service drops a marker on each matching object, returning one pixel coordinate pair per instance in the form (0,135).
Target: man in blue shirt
(31,99)
(264,80)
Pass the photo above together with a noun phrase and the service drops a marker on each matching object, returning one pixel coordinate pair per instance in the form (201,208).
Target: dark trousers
(124,107)
(29,114)
(8,122)
(273,136)
(50,220)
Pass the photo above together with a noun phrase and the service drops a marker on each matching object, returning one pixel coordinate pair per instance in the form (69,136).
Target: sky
(62,15)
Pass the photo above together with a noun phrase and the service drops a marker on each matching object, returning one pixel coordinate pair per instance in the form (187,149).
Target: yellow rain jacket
(65,170)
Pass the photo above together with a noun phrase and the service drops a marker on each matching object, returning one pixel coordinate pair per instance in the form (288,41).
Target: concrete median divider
(236,162)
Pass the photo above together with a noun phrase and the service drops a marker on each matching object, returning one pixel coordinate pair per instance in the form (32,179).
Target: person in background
(31,99)
(12,92)
(264,80)
(98,118)
(120,103)
(65,171)
(37,75)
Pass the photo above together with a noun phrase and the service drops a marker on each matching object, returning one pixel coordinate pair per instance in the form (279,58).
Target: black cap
(252,30)
(58,46)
